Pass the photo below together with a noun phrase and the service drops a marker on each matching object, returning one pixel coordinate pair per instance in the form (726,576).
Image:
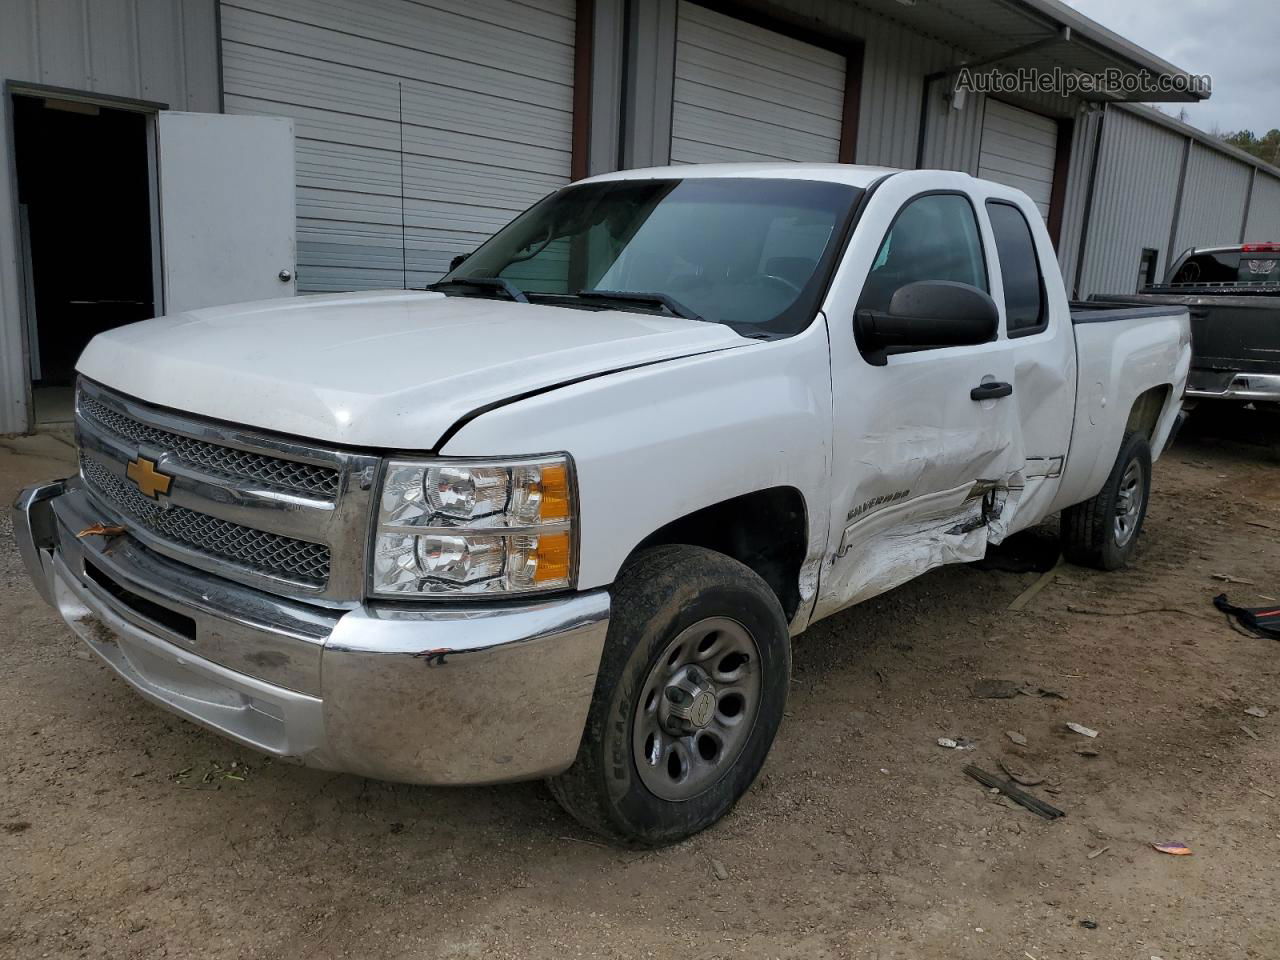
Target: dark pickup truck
(1233,295)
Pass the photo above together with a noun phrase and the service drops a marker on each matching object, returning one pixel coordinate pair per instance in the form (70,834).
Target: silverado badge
(150,481)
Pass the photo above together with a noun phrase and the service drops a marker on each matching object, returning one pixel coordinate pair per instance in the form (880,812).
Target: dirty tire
(1089,536)
(661,593)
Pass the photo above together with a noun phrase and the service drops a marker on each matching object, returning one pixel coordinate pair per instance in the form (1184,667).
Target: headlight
(468,527)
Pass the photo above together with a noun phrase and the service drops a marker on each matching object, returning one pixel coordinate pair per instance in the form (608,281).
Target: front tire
(689,696)
(1103,532)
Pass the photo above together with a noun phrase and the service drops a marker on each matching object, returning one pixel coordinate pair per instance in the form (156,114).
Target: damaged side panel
(887,548)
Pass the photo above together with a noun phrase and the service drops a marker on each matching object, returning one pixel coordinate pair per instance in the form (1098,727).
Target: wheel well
(1146,411)
(767,531)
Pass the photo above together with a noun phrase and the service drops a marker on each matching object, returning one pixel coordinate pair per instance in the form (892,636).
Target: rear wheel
(688,699)
(1103,532)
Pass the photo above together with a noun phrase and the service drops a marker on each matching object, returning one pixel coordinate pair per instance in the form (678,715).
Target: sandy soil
(127,833)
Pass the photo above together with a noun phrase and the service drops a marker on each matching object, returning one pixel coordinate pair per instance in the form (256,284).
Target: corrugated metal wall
(1133,202)
(1084,141)
(1264,210)
(488,101)
(157,50)
(1213,198)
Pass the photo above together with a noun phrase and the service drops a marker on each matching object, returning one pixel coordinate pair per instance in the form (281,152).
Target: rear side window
(1024,305)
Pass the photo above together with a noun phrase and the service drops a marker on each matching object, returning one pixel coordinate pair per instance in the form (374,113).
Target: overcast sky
(1234,41)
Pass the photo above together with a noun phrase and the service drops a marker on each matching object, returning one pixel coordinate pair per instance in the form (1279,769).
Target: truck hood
(391,369)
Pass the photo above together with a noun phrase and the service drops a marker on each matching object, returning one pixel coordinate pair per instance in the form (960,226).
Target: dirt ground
(125,832)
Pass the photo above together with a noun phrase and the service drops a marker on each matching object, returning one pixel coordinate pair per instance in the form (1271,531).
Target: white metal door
(925,461)
(485,90)
(226,187)
(1019,149)
(746,93)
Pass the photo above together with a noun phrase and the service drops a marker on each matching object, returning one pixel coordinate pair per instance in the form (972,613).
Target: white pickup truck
(559,516)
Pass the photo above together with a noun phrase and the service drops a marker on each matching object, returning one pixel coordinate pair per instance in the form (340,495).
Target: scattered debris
(995,690)
(100,530)
(1089,924)
(1034,804)
(1082,730)
(1016,737)
(1261,622)
(1046,692)
(1173,849)
(1227,578)
(1259,712)
(1087,751)
(719,869)
(948,743)
(17,826)
(1029,594)
(1265,793)
(590,843)
(1249,732)
(1094,854)
(1022,775)
(1264,526)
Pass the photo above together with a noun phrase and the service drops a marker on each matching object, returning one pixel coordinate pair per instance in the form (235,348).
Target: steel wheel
(1129,503)
(696,709)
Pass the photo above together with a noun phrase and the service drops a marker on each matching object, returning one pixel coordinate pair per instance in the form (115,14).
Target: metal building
(406,131)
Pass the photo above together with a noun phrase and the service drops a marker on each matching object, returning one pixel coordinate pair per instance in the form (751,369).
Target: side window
(1024,301)
(934,237)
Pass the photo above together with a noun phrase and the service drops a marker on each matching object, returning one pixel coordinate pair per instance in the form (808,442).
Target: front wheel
(1103,532)
(689,696)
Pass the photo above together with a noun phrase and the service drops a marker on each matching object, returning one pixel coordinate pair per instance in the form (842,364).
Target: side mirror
(927,314)
(457,261)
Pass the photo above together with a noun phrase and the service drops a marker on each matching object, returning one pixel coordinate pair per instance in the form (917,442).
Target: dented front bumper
(463,694)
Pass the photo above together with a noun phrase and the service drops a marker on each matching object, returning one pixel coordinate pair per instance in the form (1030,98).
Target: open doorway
(84,218)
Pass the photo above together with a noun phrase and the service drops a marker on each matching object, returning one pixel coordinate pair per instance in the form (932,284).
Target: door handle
(991,391)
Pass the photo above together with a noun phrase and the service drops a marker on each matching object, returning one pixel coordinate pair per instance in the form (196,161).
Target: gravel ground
(125,832)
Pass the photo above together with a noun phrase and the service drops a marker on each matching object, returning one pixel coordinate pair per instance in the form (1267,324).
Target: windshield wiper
(670,304)
(486,283)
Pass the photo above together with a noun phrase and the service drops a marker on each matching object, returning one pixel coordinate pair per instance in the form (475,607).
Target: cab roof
(847,173)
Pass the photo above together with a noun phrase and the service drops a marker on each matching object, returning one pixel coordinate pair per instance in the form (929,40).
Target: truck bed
(1092,312)
(1230,334)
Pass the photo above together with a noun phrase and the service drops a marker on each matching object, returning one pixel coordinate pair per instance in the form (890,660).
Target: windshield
(754,254)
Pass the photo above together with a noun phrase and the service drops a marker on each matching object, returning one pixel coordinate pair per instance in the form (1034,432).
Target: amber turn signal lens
(555,492)
(552,558)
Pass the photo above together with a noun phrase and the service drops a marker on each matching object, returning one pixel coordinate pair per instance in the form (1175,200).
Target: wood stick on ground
(1034,804)
(1029,594)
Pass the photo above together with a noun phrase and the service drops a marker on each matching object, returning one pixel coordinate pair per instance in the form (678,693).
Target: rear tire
(689,696)
(1103,532)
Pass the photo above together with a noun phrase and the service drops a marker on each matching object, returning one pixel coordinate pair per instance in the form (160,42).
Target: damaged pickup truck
(560,515)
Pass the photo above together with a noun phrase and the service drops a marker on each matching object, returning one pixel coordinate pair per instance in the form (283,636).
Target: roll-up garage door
(487,91)
(1018,149)
(746,93)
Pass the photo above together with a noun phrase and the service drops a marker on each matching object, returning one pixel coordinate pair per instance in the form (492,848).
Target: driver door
(924,457)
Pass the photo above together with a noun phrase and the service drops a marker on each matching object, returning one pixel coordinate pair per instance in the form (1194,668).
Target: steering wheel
(782,281)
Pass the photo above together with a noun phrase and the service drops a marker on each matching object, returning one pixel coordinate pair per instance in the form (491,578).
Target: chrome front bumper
(466,694)
(1244,386)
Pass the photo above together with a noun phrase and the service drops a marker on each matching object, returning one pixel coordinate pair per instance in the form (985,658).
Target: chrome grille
(257,550)
(225,461)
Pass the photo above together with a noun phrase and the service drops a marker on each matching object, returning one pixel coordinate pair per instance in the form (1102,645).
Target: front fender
(656,443)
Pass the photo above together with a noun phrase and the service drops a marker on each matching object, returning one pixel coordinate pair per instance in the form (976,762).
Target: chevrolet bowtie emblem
(150,481)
